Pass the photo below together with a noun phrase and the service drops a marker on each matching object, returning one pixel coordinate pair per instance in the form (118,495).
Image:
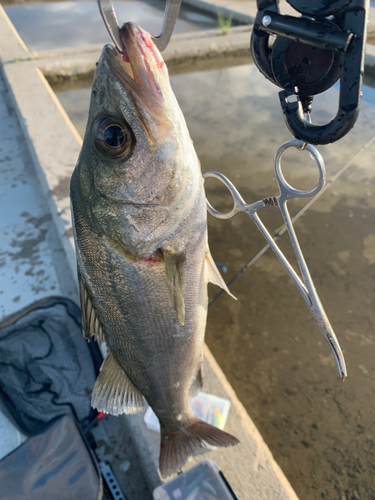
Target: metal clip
(305,286)
(110,20)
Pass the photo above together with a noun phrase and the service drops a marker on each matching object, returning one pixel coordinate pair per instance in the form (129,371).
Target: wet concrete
(45,26)
(114,445)
(29,249)
(33,265)
(319,430)
(32,262)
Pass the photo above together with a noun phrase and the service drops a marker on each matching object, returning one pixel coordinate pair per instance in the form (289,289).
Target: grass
(34,56)
(225,23)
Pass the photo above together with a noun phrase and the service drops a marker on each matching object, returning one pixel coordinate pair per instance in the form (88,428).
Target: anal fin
(213,275)
(114,392)
(91,326)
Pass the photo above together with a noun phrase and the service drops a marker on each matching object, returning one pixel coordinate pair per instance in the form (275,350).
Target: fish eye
(114,138)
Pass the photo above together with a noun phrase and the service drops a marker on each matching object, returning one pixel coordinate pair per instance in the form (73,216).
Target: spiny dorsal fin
(213,275)
(174,269)
(114,392)
(91,326)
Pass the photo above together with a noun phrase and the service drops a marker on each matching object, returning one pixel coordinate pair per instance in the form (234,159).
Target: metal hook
(110,20)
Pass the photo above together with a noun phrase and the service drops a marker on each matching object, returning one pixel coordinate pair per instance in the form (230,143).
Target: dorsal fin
(91,326)
(213,275)
(174,269)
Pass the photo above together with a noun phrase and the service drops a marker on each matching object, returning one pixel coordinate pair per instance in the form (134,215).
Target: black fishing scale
(306,55)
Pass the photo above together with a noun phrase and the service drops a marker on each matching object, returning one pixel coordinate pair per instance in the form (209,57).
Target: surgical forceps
(110,20)
(306,287)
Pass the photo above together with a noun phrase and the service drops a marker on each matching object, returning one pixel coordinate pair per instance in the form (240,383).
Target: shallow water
(320,431)
(71,24)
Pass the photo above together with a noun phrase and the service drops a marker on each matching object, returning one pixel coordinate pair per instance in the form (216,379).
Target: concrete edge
(58,208)
(247,423)
(54,146)
(85,65)
(184,49)
(176,38)
(39,112)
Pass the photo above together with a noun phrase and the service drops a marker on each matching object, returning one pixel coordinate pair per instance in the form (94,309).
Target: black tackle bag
(54,464)
(47,369)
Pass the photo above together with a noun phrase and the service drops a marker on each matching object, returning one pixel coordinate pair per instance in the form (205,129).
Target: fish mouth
(140,68)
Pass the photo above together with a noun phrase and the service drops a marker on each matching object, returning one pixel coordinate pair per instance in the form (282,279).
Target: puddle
(321,432)
(236,123)
(45,26)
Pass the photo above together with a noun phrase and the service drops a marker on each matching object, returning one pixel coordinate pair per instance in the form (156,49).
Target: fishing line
(282,229)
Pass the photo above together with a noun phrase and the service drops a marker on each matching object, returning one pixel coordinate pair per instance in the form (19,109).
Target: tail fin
(177,447)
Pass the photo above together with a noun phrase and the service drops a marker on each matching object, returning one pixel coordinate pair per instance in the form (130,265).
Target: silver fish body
(139,217)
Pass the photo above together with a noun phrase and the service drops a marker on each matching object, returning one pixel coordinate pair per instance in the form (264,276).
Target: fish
(140,231)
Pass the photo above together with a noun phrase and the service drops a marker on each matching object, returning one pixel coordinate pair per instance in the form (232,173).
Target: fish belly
(131,297)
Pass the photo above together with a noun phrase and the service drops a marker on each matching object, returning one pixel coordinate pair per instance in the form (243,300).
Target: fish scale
(140,229)
(134,349)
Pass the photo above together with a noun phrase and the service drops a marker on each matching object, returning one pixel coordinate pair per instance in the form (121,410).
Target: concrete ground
(30,249)
(320,430)
(54,145)
(32,266)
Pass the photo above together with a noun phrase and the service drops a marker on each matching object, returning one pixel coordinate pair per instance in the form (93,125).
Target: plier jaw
(110,20)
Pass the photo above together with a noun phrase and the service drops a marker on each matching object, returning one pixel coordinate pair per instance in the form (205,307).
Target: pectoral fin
(114,392)
(174,268)
(213,275)
(91,326)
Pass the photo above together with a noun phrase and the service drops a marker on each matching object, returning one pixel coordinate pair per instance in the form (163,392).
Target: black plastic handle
(303,130)
(308,31)
(350,91)
(343,33)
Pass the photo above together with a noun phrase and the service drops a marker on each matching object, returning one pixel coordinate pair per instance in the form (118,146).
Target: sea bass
(139,217)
